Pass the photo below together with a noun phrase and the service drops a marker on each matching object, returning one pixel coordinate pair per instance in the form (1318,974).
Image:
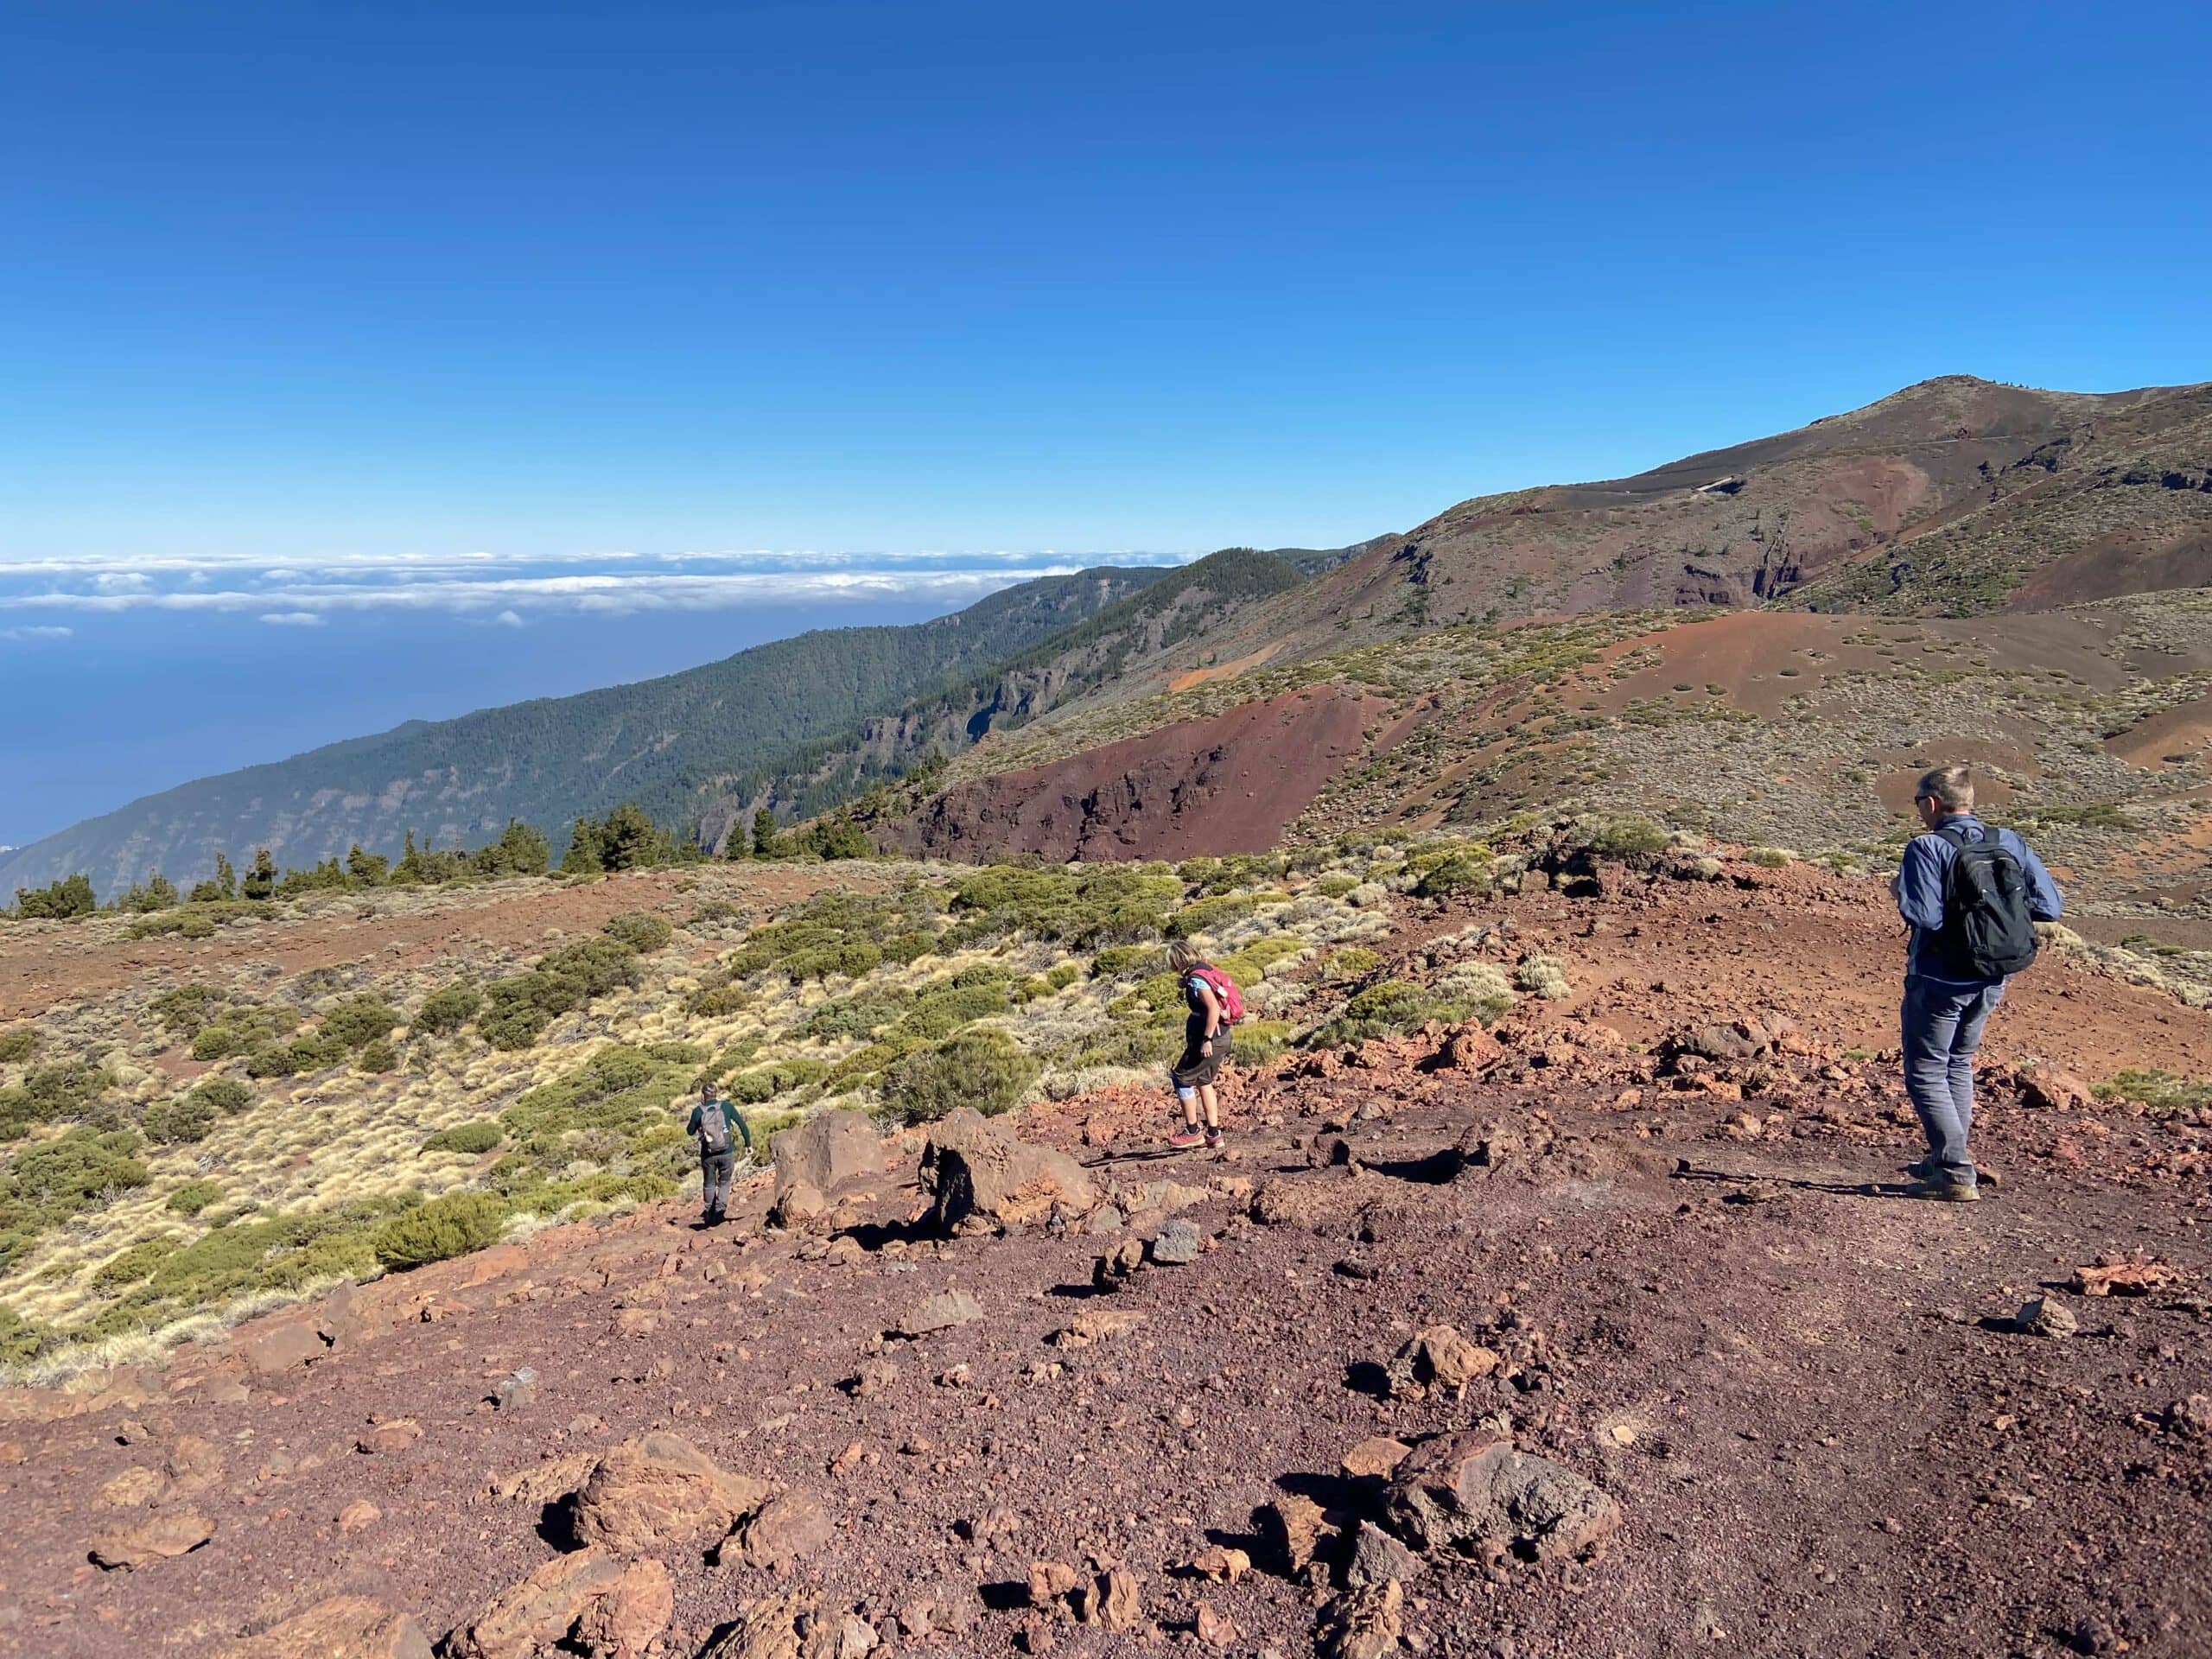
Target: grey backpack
(714,1128)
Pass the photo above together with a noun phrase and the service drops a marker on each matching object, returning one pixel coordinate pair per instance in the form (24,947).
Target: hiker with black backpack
(1215,1005)
(1972,896)
(713,1120)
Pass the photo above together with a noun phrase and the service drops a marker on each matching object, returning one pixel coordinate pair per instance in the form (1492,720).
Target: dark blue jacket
(1925,870)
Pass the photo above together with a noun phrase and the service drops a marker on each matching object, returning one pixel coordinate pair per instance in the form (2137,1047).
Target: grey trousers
(715,1169)
(1942,1026)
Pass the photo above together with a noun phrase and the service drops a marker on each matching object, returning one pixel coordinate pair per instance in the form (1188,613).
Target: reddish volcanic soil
(1704,1290)
(1202,788)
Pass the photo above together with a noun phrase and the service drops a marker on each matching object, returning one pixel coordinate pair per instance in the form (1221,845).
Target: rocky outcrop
(983,1175)
(160,1539)
(609,1608)
(829,1151)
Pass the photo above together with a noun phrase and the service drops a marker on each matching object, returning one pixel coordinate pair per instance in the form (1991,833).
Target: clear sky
(398,323)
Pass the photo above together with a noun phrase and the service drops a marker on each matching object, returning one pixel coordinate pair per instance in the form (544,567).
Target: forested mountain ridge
(1106,651)
(660,742)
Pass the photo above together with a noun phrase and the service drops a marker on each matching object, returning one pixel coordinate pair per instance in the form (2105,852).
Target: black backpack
(1988,931)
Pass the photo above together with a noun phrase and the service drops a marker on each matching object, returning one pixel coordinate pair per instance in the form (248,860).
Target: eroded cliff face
(1231,784)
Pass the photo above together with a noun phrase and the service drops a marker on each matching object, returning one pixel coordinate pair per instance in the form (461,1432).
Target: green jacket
(739,1129)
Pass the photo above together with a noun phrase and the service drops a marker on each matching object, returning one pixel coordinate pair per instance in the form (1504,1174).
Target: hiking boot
(1928,1170)
(1184,1139)
(1948,1191)
(1213,1140)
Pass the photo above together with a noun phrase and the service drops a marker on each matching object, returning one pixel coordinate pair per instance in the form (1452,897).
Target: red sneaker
(1213,1140)
(1184,1139)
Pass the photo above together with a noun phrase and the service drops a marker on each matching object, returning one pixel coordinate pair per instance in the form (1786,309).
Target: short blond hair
(1949,787)
(1181,957)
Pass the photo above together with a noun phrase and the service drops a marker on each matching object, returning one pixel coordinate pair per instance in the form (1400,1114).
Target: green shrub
(376,1057)
(74,1171)
(129,1267)
(1118,960)
(640,930)
(766,1082)
(453,1225)
(199,920)
(2161,1091)
(1394,1005)
(62,900)
(301,1055)
(242,1029)
(1470,871)
(66,1089)
(1335,886)
(18,1043)
(471,1138)
(1209,913)
(1544,976)
(622,1090)
(986,1069)
(517,1009)
(1353,961)
(19,1340)
(226,1095)
(447,1009)
(358,1021)
(863,1015)
(1138,1047)
(944,1009)
(184,1121)
(194,1197)
(1771,858)
(186,1010)
(1627,836)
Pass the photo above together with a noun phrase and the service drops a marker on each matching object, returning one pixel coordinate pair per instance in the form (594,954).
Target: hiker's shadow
(1742,1182)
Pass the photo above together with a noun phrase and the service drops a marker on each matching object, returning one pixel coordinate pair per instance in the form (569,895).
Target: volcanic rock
(536,1612)
(1376,1558)
(283,1346)
(1049,1581)
(344,1627)
(1438,1357)
(941,1313)
(625,1623)
(658,1491)
(160,1539)
(1178,1244)
(826,1152)
(982,1173)
(786,1530)
(1296,1527)
(1367,1622)
(2045,1316)
(1470,1490)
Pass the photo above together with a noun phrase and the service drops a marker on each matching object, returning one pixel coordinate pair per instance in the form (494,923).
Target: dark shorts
(1198,1068)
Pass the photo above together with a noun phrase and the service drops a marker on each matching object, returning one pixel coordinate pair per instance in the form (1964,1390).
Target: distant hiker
(713,1120)
(1215,1005)
(1972,896)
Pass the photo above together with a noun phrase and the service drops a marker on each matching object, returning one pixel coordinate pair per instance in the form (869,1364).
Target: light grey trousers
(1942,1026)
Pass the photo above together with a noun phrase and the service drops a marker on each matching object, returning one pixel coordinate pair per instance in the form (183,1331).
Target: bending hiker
(1972,896)
(1215,1005)
(713,1122)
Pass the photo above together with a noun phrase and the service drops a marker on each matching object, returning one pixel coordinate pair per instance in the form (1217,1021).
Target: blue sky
(407,318)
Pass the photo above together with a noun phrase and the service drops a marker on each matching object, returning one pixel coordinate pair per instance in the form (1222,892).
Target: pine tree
(631,841)
(735,845)
(260,881)
(766,841)
(368,868)
(582,857)
(410,868)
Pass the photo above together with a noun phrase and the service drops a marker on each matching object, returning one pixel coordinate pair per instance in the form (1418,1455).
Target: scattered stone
(2045,1316)
(657,1492)
(875,1376)
(1118,1264)
(1365,1622)
(1438,1357)
(798,1204)
(519,1391)
(1220,1565)
(542,1482)
(2135,1274)
(1377,1557)
(1378,1456)
(11,1453)
(983,1175)
(1050,1581)
(1473,1490)
(942,1312)
(1105,1221)
(2190,1418)
(160,1539)
(134,1489)
(2055,1092)
(1296,1528)
(385,1438)
(1097,1325)
(1178,1244)
(344,1627)
(1214,1629)
(1112,1603)
(779,1627)
(1036,1632)
(538,1610)
(358,1516)
(784,1531)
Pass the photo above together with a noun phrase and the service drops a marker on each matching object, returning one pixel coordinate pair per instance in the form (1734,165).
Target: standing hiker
(1215,1005)
(1972,896)
(713,1122)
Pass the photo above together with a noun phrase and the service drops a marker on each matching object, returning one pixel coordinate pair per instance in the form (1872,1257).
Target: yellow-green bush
(480,1136)
(453,1225)
(986,1069)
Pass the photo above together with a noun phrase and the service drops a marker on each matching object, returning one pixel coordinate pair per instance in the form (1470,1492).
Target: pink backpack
(1225,990)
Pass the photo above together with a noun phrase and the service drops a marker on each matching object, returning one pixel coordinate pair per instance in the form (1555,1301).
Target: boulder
(1465,1048)
(1367,1622)
(657,1492)
(2045,1316)
(1178,1244)
(791,1627)
(625,1621)
(1376,1558)
(827,1151)
(344,1627)
(983,1175)
(2055,1092)
(1471,1490)
(537,1611)
(1297,1529)
(296,1341)
(1049,1582)
(941,1313)
(160,1539)
(786,1529)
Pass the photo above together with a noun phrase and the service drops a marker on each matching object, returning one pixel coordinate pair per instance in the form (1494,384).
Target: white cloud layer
(38,632)
(293,619)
